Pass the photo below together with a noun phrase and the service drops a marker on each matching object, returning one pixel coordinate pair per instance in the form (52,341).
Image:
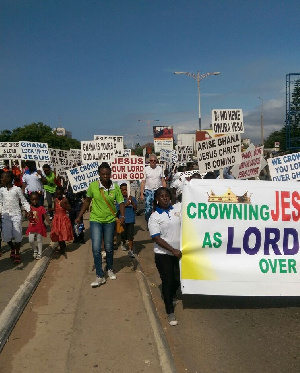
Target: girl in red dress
(37,228)
(61,230)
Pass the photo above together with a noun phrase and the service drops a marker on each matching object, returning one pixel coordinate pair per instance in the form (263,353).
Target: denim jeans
(105,230)
(149,197)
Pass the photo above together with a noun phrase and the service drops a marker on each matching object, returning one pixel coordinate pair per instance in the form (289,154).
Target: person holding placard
(104,193)
(154,179)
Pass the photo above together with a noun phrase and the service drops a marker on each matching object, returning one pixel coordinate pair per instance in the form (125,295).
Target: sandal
(38,257)
(17,259)
(12,254)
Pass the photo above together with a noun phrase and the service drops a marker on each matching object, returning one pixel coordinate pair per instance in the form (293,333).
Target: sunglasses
(153,160)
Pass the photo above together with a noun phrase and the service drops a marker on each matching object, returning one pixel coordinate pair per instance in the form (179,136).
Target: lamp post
(198,77)
(148,126)
(261,121)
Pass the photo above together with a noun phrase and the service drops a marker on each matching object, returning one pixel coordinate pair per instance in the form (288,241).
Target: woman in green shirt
(104,193)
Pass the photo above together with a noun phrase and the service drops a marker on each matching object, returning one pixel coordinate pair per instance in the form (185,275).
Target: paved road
(215,334)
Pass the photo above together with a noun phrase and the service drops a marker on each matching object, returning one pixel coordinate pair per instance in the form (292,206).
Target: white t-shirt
(33,181)
(10,202)
(153,177)
(166,223)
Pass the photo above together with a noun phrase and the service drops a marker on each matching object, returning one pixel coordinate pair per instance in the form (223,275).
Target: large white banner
(240,238)
(285,168)
(219,152)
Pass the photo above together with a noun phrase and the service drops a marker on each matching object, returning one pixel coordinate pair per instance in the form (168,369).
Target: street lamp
(148,126)
(198,77)
(261,121)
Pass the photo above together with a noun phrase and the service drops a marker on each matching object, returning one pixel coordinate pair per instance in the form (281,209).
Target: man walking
(154,179)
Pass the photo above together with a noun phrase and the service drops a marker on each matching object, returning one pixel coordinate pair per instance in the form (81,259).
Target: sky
(107,67)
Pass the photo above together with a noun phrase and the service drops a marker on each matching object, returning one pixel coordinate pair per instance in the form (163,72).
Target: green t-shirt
(101,213)
(50,186)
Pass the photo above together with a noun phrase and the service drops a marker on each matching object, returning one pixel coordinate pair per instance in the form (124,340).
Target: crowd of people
(24,191)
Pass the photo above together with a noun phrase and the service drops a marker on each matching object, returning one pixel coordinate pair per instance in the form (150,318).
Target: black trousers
(168,268)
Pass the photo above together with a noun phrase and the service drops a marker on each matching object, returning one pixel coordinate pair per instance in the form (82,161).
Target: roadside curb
(18,302)
(165,356)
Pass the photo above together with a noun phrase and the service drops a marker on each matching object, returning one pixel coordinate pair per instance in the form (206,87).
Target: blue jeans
(149,197)
(105,230)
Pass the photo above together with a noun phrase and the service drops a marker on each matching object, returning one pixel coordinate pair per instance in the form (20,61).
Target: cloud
(273,120)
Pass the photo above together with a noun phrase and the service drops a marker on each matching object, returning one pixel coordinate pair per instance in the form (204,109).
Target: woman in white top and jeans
(164,228)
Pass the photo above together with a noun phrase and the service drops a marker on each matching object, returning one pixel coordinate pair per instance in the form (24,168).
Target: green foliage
(39,132)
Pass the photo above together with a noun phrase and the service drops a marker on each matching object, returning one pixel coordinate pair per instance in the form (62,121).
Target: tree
(39,132)
(293,129)
(5,135)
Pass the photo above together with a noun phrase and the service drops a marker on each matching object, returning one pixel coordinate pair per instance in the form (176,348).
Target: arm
(163,181)
(122,212)
(133,202)
(85,206)
(46,217)
(65,204)
(142,189)
(161,242)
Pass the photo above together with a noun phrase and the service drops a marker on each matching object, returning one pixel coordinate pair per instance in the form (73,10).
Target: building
(60,131)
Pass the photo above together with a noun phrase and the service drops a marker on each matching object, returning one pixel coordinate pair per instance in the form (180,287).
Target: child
(10,211)
(36,225)
(61,230)
(130,208)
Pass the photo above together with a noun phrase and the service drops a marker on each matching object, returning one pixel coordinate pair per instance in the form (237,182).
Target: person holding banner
(104,193)
(154,179)
(164,228)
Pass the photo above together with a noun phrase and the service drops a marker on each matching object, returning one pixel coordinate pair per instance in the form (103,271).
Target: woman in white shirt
(164,227)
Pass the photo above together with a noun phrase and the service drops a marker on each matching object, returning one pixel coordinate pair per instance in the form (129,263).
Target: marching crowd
(25,190)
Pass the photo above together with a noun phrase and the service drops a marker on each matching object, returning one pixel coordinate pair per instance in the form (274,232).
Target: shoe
(38,257)
(130,253)
(12,254)
(172,319)
(34,255)
(123,247)
(111,274)
(17,259)
(99,281)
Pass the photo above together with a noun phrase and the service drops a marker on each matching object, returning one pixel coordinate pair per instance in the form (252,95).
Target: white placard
(10,150)
(285,168)
(34,151)
(219,152)
(225,121)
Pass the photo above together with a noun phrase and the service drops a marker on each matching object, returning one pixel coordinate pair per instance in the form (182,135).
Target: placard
(219,152)
(285,168)
(252,163)
(10,150)
(80,177)
(128,168)
(34,151)
(225,121)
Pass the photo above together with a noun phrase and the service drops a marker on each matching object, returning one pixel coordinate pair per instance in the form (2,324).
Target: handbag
(119,226)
